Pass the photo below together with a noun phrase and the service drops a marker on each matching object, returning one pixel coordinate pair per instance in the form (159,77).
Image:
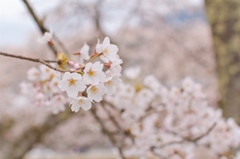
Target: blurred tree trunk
(224,17)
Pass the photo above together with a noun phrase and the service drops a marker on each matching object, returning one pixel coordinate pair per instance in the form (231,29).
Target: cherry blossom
(72,83)
(46,38)
(95,92)
(80,102)
(110,82)
(33,74)
(57,104)
(109,50)
(157,116)
(84,53)
(93,73)
(46,72)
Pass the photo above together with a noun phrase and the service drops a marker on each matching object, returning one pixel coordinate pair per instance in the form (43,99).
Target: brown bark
(224,18)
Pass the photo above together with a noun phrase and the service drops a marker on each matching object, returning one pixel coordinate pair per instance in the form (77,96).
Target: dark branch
(106,132)
(42,28)
(44,62)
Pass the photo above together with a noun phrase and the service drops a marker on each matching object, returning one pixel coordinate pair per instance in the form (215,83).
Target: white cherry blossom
(72,83)
(33,74)
(47,73)
(93,73)
(58,104)
(109,50)
(152,82)
(96,92)
(80,102)
(53,85)
(110,82)
(84,53)
(98,47)
(116,67)
(46,38)
(144,97)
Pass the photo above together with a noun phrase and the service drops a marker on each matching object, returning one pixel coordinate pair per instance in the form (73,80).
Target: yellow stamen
(47,70)
(109,83)
(94,89)
(106,51)
(80,101)
(91,73)
(51,76)
(71,82)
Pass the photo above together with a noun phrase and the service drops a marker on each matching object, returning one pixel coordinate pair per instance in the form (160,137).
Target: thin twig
(45,62)
(128,134)
(103,102)
(106,132)
(205,134)
(26,58)
(187,139)
(43,29)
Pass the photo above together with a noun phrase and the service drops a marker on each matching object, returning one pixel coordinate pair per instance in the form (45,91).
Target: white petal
(76,76)
(48,36)
(63,85)
(98,47)
(106,42)
(67,75)
(113,48)
(101,76)
(97,66)
(84,49)
(87,105)
(88,67)
(75,107)
(72,92)
(80,86)
(104,59)
(116,80)
(109,89)
(87,79)
(95,97)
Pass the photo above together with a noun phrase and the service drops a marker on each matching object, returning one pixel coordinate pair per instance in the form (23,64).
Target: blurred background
(171,39)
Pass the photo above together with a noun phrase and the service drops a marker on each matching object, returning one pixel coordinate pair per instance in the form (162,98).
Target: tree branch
(43,29)
(26,58)
(106,132)
(187,139)
(44,62)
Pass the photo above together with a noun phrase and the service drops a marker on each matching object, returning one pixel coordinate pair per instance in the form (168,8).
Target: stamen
(91,73)
(94,89)
(106,51)
(71,82)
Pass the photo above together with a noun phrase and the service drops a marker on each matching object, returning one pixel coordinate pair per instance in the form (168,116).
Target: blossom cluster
(158,122)
(92,79)
(42,89)
(175,123)
(84,81)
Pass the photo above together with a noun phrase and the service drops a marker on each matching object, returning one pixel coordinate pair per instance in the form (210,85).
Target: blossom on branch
(95,92)
(72,83)
(46,38)
(80,102)
(84,53)
(93,73)
(84,82)
(108,50)
(33,74)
